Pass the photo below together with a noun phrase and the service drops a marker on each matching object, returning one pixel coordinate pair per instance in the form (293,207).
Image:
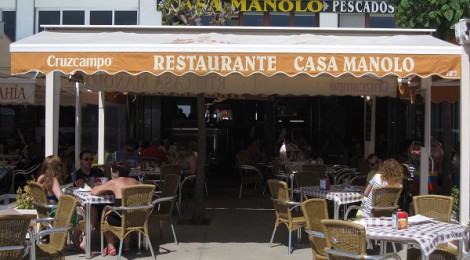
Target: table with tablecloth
(86,199)
(339,194)
(427,235)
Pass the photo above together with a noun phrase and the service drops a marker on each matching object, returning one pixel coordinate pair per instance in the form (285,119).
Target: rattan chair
(42,206)
(13,230)
(384,202)
(250,175)
(136,205)
(285,210)
(437,207)
(314,211)
(163,210)
(58,233)
(347,240)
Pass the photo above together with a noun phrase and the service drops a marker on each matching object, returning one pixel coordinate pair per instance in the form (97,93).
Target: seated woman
(50,176)
(187,159)
(120,180)
(390,173)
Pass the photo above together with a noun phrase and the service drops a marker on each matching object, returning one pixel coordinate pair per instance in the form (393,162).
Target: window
(352,20)
(48,17)
(253,19)
(305,20)
(101,17)
(382,21)
(279,19)
(9,18)
(125,17)
(73,18)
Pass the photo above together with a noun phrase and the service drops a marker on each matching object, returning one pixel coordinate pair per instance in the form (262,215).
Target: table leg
(336,210)
(88,230)
(291,177)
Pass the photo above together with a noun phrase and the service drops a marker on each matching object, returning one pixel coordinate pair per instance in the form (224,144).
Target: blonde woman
(50,177)
(390,173)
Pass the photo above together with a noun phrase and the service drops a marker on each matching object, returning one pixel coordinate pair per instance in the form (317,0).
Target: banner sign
(16,94)
(300,6)
(268,64)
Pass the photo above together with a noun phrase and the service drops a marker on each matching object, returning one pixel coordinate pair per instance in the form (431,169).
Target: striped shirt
(375,183)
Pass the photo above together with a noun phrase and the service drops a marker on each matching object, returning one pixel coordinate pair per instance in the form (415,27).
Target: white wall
(148,14)
(328,19)
(24,19)
(7,5)
(89,4)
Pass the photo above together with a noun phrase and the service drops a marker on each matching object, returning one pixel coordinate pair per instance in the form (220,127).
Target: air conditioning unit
(462,31)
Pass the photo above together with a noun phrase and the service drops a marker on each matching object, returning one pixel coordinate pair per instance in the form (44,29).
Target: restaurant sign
(246,64)
(16,94)
(300,6)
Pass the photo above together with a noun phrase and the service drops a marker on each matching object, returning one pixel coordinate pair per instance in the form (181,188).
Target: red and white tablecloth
(340,194)
(427,235)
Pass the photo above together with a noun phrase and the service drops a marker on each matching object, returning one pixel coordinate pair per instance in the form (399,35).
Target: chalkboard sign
(419,121)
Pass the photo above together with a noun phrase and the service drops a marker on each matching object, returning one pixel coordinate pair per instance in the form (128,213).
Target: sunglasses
(88,159)
(372,164)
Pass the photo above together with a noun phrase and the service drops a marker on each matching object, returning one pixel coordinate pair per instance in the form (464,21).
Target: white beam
(465,136)
(78,125)
(101,117)
(369,146)
(425,151)
(52,113)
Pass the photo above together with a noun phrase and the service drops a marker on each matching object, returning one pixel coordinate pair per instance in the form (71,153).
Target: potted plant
(24,202)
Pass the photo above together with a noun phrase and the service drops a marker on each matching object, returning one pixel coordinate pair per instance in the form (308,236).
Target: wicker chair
(26,173)
(285,210)
(384,202)
(166,201)
(13,230)
(434,206)
(347,240)
(39,194)
(136,205)
(314,211)
(250,175)
(58,232)
(439,208)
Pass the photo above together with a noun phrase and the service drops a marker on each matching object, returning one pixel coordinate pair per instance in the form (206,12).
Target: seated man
(85,172)
(153,151)
(129,154)
(374,164)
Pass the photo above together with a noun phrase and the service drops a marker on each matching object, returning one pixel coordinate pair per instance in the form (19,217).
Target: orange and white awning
(240,51)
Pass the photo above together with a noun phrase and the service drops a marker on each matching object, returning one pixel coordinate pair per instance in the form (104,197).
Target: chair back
(133,196)
(314,211)
(171,184)
(13,230)
(39,194)
(63,217)
(344,236)
(280,198)
(307,178)
(385,201)
(170,169)
(320,169)
(437,207)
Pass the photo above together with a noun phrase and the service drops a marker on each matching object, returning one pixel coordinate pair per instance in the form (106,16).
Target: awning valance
(242,51)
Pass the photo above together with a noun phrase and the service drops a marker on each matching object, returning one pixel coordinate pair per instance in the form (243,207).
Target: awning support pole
(425,151)
(101,117)
(369,145)
(465,136)
(51,134)
(78,126)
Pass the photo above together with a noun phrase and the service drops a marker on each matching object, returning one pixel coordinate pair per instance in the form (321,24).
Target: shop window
(101,17)
(9,18)
(125,17)
(73,17)
(279,19)
(382,21)
(352,20)
(48,17)
(305,20)
(253,19)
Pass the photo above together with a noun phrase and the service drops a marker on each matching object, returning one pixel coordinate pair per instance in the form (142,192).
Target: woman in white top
(390,173)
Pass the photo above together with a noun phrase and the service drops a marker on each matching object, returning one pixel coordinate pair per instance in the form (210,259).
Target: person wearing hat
(129,154)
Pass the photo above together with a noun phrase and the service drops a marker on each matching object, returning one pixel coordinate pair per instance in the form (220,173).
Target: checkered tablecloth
(138,172)
(340,194)
(427,235)
(85,197)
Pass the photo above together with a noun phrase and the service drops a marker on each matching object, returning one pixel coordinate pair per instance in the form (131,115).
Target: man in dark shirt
(82,175)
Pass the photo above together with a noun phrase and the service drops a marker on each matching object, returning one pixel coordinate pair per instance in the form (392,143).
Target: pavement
(236,229)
